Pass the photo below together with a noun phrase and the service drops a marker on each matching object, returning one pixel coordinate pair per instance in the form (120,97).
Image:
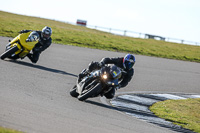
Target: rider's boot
(30,56)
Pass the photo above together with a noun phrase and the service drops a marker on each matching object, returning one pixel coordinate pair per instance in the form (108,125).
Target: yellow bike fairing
(26,46)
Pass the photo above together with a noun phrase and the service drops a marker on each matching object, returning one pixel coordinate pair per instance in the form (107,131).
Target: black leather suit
(126,75)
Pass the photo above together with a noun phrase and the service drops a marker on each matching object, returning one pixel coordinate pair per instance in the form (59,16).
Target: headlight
(105,76)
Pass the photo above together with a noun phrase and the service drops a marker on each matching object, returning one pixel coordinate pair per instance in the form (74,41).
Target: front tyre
(9,52)
(90,92)
(73,92)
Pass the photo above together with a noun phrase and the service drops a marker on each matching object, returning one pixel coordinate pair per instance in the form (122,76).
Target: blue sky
(168,18)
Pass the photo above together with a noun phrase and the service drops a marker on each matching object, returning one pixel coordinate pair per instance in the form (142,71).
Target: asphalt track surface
(35,98)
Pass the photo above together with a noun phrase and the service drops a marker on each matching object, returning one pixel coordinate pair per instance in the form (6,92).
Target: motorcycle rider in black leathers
(126,63)
(44,42)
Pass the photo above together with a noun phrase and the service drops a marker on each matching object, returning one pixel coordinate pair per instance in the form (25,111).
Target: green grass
(6,130)
(185,113)
(68,34)
(63,33)
(182,112)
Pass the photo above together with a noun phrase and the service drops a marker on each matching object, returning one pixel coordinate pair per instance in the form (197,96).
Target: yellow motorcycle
(21,45)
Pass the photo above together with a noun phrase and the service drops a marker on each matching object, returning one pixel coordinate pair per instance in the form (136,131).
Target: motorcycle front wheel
(9,52)
(73,92)
(89,92)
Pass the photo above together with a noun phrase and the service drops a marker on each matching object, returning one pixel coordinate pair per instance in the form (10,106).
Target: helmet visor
(129,64)
(47,36)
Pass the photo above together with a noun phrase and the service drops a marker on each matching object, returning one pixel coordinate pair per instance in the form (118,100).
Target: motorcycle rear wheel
(9,52)
(90,92)
(73,92)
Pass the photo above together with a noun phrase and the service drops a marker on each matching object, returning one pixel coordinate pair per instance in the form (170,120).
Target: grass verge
(6,130)
(185,113)
(63,33)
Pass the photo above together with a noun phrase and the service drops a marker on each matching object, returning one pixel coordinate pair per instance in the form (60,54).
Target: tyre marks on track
(137,105)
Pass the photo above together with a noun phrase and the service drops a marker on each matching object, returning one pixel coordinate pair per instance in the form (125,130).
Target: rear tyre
(73,92)
(92,91)
(9,52)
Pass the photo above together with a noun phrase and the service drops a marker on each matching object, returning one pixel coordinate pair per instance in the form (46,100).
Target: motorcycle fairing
(23,46)
(85,82)
(28,45)
(80,87)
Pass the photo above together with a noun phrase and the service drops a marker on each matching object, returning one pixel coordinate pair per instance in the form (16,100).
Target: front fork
(8,46)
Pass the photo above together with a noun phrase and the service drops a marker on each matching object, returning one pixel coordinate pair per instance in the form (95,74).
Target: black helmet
(46,33)
(128,61)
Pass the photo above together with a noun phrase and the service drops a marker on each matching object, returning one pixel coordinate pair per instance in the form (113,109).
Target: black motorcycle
(97,83)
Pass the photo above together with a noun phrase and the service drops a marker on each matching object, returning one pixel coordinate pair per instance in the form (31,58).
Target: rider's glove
(24,31)
(93,66)
(101,64)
